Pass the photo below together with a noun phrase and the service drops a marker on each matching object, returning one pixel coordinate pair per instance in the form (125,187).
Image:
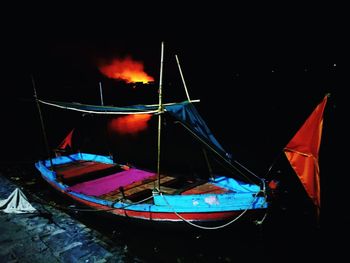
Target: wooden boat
(132,192)
(98,182)
(231,194)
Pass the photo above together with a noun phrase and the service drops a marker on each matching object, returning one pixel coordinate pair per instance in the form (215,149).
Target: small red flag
(66,141)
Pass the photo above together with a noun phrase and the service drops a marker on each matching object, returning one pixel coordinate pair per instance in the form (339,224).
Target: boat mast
(42,124)
(160,111)
(100,84)
(183,79)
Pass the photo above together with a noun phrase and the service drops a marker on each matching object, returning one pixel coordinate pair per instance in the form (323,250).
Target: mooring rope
(257,222)
(205,227)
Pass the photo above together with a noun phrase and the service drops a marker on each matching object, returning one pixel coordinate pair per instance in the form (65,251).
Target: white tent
(17,202)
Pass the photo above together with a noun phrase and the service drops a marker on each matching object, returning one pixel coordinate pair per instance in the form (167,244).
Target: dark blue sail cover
(185,112)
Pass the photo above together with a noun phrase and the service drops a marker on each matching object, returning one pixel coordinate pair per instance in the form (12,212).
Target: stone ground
(50,236)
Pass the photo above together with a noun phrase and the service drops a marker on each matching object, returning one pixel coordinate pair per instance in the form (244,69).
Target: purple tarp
(111,182)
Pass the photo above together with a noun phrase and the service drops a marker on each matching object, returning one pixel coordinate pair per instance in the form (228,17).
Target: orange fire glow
(126,69)
(129,124)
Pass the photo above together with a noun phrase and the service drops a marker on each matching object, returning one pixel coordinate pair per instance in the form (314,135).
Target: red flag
(302,153)
(67,141)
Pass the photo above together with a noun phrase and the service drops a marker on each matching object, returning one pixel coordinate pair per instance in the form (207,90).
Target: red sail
(302,152)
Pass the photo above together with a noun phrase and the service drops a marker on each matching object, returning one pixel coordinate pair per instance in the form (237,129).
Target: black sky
(266,65)
(258,71)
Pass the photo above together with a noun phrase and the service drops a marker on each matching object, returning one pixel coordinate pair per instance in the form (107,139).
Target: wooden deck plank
(205,188)
(71,165)
(80,171)
(137,187)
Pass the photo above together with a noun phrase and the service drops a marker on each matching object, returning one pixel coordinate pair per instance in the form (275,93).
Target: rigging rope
(218,154)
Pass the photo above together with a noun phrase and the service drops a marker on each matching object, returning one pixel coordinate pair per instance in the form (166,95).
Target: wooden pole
(42,124)
(100,84)
(183,79)
(160,112)
(208,163)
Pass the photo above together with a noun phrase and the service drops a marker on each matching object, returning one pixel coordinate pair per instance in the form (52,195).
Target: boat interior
(115,182)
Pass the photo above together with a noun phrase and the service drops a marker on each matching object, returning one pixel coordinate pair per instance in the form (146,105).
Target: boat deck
(111,182)
(141,188)
(83,170)
(168,185)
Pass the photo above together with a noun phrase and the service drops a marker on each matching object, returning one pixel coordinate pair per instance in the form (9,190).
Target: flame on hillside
(126,69)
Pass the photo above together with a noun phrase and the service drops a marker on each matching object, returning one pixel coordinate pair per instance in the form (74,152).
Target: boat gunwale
(125,205)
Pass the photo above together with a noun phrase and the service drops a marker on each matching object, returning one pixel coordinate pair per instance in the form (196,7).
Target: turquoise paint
(242,197)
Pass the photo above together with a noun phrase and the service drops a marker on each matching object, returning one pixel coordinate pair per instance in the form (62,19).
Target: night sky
(258,75)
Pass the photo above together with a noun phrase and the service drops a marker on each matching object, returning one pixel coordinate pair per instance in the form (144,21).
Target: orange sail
(302,153)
